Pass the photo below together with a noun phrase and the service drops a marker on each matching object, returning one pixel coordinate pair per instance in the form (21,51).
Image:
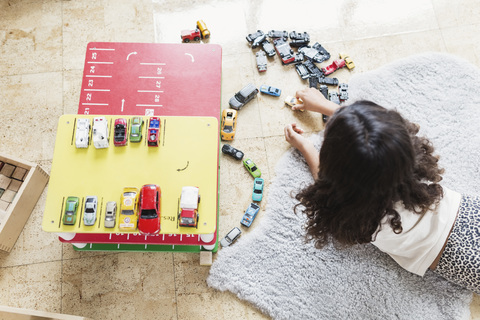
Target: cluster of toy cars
(200,32)
(100,132)
(138,209)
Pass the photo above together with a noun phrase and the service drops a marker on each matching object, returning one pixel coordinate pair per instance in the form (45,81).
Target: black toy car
(258,41)
(274,34)
(252,36)
(329,81)
(268,48)
(302,71)
(235,153)
(299,39)
(313,69)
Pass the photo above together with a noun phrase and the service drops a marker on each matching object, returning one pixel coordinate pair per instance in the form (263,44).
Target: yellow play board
(187,155)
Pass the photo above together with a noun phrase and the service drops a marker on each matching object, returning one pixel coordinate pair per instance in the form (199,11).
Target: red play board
(151,79)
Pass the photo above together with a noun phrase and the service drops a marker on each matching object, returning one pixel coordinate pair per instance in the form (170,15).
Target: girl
(377,181)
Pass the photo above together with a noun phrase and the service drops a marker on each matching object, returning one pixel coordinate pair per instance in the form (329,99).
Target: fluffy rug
(272,267)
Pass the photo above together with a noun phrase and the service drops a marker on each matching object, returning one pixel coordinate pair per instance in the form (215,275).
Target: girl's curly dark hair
(371,158)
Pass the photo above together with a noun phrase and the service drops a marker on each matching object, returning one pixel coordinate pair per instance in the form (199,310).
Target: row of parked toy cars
(100,132)
(138,209)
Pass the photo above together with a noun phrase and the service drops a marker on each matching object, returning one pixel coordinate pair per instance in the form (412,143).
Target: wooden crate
(19,210)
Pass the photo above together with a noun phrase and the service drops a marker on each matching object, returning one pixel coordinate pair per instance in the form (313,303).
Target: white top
(189,198)
(423,236)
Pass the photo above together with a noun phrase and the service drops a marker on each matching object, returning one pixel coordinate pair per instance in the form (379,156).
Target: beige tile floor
(41,60)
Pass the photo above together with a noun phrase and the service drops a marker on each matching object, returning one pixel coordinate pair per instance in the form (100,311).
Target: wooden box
(13,219)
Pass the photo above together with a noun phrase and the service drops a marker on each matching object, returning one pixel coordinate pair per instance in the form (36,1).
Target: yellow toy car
(128,209)
(203,29)
(348,61)
(291,101)
(229,124)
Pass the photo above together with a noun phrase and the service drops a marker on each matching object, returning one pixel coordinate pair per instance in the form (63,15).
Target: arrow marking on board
(191,56)
(185,167)
(130,54)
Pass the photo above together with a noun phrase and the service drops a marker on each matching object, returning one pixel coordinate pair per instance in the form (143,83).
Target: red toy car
(191,35)
(120,132)
(188,215)
(149,213)
(337,64)
(153,131)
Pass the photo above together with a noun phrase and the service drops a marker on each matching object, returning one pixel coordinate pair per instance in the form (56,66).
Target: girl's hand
(293,135)
(313,100)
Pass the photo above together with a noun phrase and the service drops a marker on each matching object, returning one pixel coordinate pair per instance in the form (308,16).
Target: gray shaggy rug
(272,267)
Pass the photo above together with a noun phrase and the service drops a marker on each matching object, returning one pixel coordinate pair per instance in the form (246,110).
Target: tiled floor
(42,48)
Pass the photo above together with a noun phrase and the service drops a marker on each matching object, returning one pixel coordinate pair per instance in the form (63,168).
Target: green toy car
(136,129)
(252,168)
(71,206)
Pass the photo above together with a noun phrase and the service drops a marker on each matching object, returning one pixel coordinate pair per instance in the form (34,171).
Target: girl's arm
(293,135)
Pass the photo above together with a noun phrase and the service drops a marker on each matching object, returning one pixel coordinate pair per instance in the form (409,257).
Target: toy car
(128,209)
(284,51)
(191,35)
(324,90)
(261,59)
(188,212)
(302,71)
(316,53)
(229,124)
(343,91)
(252,168)
(250,215)
(90,214)
(205,33)
(257,193)
(136,129)
(278,34)
(71,206)
(120,132)
(110,214)
(82,134)
(153,131)
(335,65)
(258,41)
(231,237)
(329,81)
(268,48)
(252,36)
(228,149)
(299,39)
(149,209)
(292,101)
(313,70)
(100,132)
(270,90)
(242,97)
(348,61)
(333,96)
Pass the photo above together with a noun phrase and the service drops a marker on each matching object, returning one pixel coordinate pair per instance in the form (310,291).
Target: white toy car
(188,215)
(82,134)
(90,215)
(231,237)
(100,132)
(110,214)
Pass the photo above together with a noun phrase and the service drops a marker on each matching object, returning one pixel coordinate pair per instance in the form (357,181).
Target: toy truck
(204,32)
(188,212)
(191,35)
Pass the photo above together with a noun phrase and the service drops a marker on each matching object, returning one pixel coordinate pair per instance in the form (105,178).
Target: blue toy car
(257,193)
(270,90)
(250,215)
